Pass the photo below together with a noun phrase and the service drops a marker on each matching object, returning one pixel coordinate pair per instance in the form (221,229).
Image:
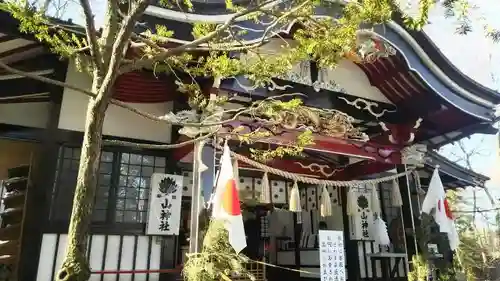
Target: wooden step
(16,184)
(10,232)
(14,199)
(8,259)
(9,247)
(21,171)
(12,215)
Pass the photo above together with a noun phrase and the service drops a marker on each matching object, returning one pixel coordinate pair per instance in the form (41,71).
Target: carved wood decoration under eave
(368,150)
(346,77)
(401,134)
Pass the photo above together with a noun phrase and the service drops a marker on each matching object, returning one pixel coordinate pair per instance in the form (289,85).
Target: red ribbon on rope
(139,271)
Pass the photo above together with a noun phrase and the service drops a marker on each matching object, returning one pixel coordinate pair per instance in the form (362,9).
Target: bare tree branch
(92,34)
(238,112)
(45,79)
(230,47)
(158,146)
(110,29)
(117,52)
(144,63)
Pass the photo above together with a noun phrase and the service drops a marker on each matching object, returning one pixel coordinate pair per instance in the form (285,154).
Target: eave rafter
(20,89)
(24,53)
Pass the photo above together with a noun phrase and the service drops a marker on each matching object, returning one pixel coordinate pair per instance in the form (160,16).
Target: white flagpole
(195,200)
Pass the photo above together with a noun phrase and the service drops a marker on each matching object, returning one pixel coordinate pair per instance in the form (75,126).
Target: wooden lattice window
(134,185)
(122,192)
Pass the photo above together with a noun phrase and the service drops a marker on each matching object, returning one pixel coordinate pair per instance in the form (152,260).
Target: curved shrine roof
(418,79)
(421,47)
(454,175)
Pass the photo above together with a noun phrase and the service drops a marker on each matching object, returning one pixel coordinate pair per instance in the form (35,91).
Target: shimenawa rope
(298,178)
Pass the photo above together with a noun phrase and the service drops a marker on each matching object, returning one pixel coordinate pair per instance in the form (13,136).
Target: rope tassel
(352,203)
(295,199)
(326,203)
(381,236)
(397,200)
(375,201)
(265,194)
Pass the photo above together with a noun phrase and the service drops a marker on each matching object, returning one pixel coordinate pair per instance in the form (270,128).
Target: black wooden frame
(110,225)
(39,202)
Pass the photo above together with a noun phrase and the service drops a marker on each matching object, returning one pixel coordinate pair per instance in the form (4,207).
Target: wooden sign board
(331,255)
(164,211)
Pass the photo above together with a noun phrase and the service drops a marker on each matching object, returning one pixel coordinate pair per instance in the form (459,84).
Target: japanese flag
(226,203)
(436,199)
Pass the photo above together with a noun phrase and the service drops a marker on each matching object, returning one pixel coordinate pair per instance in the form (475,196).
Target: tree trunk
(75,266)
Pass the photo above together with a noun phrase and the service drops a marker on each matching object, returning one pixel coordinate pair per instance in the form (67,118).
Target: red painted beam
(181,152)
(325,171)
(369,150)
(389,154)
(178,269)
(308,167)
(298,166)
(362,168)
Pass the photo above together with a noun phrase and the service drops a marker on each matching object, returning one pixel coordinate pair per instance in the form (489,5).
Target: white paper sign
(362,217)
(331,255)
(165,200)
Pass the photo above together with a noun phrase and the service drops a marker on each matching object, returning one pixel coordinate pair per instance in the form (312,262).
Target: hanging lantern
(397,200)
(379,232)
(295,199)
(352,203)
(375,204)
(236,173)
(265,194)
(326,203)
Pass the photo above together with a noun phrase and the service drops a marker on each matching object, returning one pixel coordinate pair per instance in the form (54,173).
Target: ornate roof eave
(458,93)
(454,170)
(449,68)
(431,73)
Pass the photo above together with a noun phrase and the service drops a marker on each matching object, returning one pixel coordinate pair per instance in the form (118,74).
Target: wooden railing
(258,270)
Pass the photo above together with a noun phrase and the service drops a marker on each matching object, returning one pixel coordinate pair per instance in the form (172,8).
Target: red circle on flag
(447,209)
(230,199)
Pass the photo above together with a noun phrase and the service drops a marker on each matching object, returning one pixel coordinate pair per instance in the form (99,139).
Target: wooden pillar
(382,205)
(297,234)
(407,215)
(352,260)
(170,244)
(42,181)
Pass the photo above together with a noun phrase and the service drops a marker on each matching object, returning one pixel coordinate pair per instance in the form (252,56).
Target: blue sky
(479,58)
(473,54)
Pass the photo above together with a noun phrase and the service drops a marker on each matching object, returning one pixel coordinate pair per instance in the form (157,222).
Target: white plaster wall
(119,122)
(347,74)
(350,77)
(54,247)
(34,114)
